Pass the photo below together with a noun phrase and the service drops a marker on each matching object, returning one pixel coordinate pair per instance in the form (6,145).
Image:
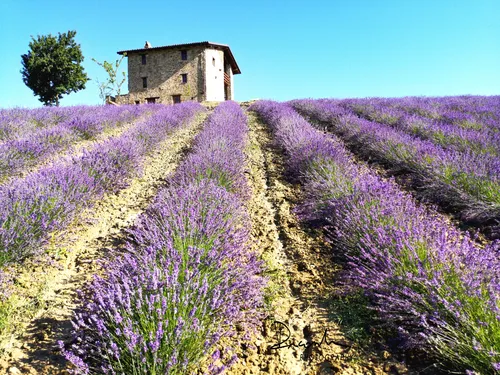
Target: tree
(112,85)
(52,67)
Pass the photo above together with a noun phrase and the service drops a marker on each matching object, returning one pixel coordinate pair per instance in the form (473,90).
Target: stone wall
(229,71)
(164,69)
(204,67)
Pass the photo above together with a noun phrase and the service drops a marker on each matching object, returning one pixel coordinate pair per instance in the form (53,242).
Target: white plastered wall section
(214,75)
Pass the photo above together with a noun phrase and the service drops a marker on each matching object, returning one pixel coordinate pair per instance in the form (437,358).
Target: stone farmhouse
(200,71)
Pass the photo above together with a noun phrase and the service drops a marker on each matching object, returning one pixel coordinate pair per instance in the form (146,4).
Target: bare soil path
(299,336)
(33,348)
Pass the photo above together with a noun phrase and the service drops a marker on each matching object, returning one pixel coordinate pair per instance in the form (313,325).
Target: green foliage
(353,316)
(478,186)
(112,85)
(217,174)
(52,67)
(470,125)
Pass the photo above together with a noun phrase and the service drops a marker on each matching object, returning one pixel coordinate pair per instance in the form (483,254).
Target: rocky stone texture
(204,67)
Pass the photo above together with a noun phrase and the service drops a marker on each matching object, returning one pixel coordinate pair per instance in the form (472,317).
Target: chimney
(147,45)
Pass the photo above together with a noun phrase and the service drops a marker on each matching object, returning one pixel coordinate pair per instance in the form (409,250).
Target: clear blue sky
(285,49)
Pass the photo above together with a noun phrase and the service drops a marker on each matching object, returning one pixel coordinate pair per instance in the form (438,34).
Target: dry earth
(300,269)
(298,337)
(33,349)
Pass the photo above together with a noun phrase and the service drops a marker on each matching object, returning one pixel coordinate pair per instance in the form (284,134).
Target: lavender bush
(210,158)
(17,122)
(38,146)
(468,112)
(441,132)
(188,278)
(467,183)
(49,199)
(427,280)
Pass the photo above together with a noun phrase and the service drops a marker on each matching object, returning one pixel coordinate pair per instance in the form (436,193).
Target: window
(144,82)
(151,100)
(176,99)
(137,102)
(213,61)
(143,59)
(184,54)
(184,78)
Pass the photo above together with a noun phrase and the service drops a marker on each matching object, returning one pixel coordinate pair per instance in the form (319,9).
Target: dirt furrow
(298,337)
(35,350)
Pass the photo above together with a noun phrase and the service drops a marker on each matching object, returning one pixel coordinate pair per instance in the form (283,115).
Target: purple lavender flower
(426,279)
(187,269)
(48,200)
(465,182)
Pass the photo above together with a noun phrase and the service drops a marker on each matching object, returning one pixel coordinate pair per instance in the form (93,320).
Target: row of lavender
(473,112)
(428,281)
(464,136)
(188,278)
(466,183)
(37,146)
(17,122)
(45,201)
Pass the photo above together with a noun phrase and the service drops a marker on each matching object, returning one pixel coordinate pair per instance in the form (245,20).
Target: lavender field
(312,236)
